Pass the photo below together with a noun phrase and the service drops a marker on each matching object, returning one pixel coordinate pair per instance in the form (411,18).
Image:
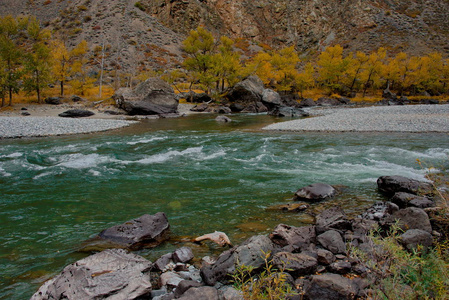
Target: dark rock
(184,285)
(332,241)
(293,239)
(344,100)
(248,253)
(53,100)
(236,107)
(287,111)
(145,231)
(387,94)
(291,207)
(247,91)
(76,113)
(163,261)
(290,100)
(196,97)
(170,280)
(223,119)
(410,218)
(393,184)
(157,293)
(295,263)
(379,211)
(201,293)
(340,267)
(405,200)
(76,98)
(315,192)
(183,255)
(111,273)
(414,237)
(230,293)
(256,107)
(307,102)
(271,99)
(430,101)
(324,101)
(331,287)
(200,107)
(325,257)
(332,218)
(152,97)
(114,112)
(25,113)
(224,110)
(24,108)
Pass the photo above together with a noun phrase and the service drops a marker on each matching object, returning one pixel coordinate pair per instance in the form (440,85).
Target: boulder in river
(143,232)
(76,113)
(110,274)
(315,192)
(392,184)
(152,97)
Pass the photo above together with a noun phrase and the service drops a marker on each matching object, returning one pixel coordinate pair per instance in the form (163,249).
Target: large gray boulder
(392,184)
(332,241)
(111,274)
(249,90)
(143,232)
(405,200)
(152,97)
(249,253)
(410,218)
(271,98)
(315,192)
(414,237)
(332,218)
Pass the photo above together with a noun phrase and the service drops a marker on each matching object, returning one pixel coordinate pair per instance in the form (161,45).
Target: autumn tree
(199,46)
(261,66)
(61,63)
(305,79)
(81,81)
(373,69)
(11,53)
(284,65)
(332,67)
(37,58)
(226,64)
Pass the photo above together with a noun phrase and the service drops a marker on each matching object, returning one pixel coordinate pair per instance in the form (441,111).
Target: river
(57,192)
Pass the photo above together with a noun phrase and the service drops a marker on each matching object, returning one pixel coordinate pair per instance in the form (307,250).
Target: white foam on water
(42,175)
(84,161)
(217,154)
(163,157)
(146,140)
(14,155)
(94,172)
(4,173)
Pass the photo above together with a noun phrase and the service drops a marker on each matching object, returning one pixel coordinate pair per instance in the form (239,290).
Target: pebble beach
(410,118)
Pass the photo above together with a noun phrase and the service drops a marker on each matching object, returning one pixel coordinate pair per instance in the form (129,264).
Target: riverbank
(43,120)
(411,118)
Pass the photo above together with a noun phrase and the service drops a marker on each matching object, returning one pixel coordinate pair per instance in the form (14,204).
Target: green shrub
(140,6)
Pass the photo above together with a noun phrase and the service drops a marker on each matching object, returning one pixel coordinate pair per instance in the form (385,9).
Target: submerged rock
(315,192)
(111,274)
(145,231)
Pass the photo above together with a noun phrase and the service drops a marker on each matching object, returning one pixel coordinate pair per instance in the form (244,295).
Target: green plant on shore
(399,274)
(270,284)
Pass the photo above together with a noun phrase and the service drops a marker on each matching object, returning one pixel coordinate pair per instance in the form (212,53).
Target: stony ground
(412,118)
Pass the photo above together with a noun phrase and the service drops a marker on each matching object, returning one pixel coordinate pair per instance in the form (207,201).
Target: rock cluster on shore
(314,257)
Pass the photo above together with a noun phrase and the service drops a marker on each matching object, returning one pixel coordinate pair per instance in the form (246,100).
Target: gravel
(410,118)
(17,127)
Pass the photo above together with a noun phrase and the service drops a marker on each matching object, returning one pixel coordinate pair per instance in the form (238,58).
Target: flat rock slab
(143,232)
(393,184)
(76,113)
(111,274)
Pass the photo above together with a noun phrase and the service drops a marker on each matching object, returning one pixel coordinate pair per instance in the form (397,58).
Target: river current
(55,193)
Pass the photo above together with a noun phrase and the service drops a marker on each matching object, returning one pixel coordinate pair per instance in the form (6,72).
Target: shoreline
(410,119)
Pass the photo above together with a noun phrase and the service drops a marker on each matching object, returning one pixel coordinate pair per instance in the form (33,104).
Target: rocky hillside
(148,33)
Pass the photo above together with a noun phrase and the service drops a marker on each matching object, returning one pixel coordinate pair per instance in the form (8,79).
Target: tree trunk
(62,87)
(10,95)
(38,89)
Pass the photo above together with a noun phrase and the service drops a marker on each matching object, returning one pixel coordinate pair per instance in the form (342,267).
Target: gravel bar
(409,118)
(18,127)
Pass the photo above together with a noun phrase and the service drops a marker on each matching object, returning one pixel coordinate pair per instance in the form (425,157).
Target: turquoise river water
(55,193)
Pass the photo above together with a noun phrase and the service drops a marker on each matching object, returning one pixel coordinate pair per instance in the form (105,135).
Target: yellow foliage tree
(81,82)
(332,67)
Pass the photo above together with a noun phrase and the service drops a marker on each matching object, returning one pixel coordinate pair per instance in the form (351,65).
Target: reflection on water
(206,176)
